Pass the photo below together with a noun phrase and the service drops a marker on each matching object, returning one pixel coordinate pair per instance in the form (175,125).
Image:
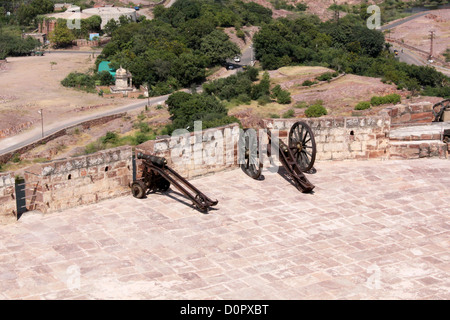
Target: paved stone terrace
(371,230)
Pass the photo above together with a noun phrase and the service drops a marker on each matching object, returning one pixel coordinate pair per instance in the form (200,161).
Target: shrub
(308,83)
(362,105)
(79,80)
(274,116)
(289,114)
(110,137)
(284,97)
(263,100)
(393,98)
(316,111)
(390,98)
(325,77)
(376,101)
(244,98)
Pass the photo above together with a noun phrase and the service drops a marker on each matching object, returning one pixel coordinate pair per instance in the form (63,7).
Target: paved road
(407,56)
(396,24)
(410,57)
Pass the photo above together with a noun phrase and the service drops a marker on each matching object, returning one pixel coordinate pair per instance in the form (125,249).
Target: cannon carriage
(158,176)
(297,156)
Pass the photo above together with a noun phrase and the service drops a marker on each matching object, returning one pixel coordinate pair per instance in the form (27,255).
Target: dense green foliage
(282,96)
(186,108)
(13,45)
(390,98)
(61,36)
(348,46)
(27,12)
(238,86)
(173,50)
(87,82)
(362,105)
(327,76)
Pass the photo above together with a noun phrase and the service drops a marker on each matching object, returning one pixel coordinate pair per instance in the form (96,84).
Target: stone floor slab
(371,230)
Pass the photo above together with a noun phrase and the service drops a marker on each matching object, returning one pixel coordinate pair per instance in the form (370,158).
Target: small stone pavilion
(124,82)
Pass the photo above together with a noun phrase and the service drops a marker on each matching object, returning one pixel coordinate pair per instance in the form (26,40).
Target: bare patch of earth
(31,83)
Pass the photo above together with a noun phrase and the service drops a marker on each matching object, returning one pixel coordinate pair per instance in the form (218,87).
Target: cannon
(439,111)
(297,157)
(158,176)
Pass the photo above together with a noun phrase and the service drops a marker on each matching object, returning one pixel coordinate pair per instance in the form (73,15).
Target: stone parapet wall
(411,114)
(197,154)
(404,150)
(81,180)
(7,198)
(342,137)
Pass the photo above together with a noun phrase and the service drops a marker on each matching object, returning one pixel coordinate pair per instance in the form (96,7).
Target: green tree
(110,27)
(11,45)
(262,88)
(27,12)
(217,47)
(61,36)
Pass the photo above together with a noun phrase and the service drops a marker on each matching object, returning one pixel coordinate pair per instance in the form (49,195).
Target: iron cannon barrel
(157,161)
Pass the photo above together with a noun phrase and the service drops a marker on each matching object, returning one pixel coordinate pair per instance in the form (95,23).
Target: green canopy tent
(104,66)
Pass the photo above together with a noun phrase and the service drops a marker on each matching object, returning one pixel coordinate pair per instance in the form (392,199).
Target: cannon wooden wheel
(138,189)
(303,146)
(248,145)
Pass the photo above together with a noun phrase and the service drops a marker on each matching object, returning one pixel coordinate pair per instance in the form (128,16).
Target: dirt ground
(417,32)
(31,83)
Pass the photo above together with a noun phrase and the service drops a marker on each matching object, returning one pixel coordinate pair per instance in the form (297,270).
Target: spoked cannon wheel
(303,146)
(439,108)
(248,145)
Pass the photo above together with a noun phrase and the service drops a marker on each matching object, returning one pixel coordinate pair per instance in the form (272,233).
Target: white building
(108,13)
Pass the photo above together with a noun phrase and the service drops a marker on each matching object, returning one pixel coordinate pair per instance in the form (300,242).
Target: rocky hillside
(317,7)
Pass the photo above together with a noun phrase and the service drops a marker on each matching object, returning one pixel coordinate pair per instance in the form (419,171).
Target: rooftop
(371,230)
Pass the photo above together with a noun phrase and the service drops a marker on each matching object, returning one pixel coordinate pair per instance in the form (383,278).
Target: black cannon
(297,157)
(157,176)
